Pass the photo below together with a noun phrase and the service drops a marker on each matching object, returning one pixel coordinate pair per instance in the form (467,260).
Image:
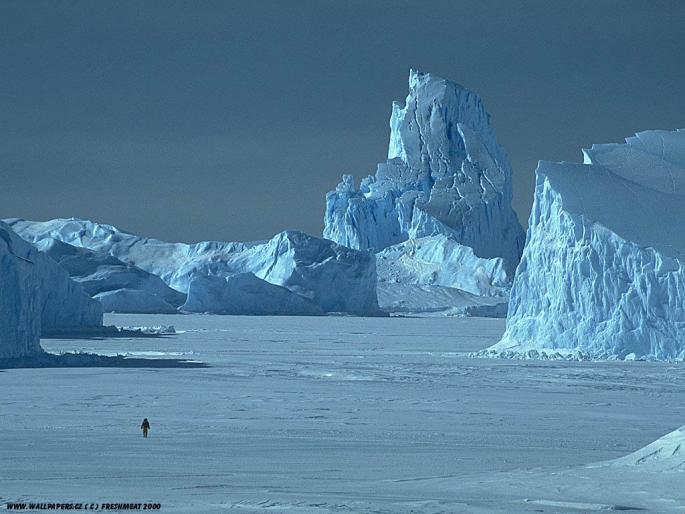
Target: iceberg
(36,298)
(118,286)
(333,277)
(441,261)
(445,175)
(435,275)
(602,273)
(244,293)
(431,300)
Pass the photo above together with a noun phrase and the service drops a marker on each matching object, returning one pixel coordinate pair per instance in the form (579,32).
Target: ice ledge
(559,354)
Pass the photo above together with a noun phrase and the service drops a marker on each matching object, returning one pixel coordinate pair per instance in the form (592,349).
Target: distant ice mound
(602,272)
(37,297)
(445,174)
(118,286)
(335,278)
(244,294)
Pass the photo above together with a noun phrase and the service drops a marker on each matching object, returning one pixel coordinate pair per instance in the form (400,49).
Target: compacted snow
(340,414)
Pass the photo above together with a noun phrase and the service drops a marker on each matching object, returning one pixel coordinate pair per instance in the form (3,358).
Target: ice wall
(602,273)
(36,296)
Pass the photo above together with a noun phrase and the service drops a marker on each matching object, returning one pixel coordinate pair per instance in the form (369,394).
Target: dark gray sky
(230,120)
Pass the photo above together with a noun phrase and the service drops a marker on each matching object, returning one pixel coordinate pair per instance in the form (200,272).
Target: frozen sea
(337,414)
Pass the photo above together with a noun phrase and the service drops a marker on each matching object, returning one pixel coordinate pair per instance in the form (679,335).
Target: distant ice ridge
(602,272)
(118,286)
(331,276)
(36,297)
(445,174)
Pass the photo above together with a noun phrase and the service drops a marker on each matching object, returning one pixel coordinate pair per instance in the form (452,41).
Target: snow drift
(333,277)
(37,297)
(665,454)
(445,174)
(602,272)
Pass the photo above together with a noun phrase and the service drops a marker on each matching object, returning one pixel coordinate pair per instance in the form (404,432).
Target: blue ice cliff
(37,297)
(602,272)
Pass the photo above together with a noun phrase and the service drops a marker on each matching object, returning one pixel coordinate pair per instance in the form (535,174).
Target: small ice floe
(154,330)
(156,354)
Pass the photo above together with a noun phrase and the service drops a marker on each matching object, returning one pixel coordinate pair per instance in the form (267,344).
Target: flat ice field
(339,414)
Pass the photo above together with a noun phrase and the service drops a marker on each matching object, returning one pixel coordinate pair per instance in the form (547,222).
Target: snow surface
(338,414)
(445,174)
(118,286)
(244,294)
(36,296)
(335,278)
(602,272)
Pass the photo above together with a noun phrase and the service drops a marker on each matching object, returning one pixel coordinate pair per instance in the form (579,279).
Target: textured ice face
(445,174)
(36,296)
(335,278)
(602,272)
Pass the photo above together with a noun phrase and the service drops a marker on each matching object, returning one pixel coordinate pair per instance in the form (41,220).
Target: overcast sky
(230,120)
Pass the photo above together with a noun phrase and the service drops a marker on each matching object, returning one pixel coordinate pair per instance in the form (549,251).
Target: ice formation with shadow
(327,276)
(37,297)
(438,212)
(118,286)
(445,174)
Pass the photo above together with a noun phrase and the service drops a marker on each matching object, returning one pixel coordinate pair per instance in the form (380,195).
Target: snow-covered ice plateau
(341,414)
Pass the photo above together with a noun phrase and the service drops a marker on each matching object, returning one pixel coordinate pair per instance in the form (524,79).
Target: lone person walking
(145,427)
